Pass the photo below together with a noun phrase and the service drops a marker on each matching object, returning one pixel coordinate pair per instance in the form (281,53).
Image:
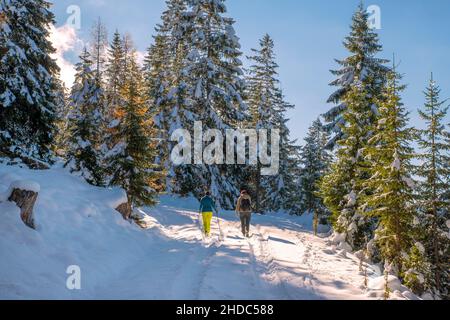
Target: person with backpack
(244,210)
(207,207)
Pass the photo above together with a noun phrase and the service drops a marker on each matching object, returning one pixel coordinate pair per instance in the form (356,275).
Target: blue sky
(308,36)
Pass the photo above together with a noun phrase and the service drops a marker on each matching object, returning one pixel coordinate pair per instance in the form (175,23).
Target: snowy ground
(169,259)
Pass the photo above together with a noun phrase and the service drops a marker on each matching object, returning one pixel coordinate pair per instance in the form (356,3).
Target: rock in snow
(25,200)
(24,194)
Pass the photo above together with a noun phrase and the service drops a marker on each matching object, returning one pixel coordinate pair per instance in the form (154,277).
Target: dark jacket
(238,205)
(207,204)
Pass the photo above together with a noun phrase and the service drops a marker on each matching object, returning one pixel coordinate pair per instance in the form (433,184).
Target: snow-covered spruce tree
(62,113)
(290,195)
(28,80)
(361,67)
(433,203)
(315,162)
(84,157)
(114,81)
(214,87)
(165,85)
(342,188)
(129,162)
(264,99)
(390,196)
(114,77)
(284,186)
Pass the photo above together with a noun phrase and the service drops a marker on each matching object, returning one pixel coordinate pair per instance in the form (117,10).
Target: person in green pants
(207,207)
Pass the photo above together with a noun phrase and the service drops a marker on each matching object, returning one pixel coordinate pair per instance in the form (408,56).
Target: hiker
(244,210)
(207,207)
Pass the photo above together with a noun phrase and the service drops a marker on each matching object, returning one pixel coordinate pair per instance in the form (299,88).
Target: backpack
(246,205)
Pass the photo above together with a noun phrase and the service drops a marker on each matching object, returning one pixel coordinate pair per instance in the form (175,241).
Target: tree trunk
(125,210)
(25,200)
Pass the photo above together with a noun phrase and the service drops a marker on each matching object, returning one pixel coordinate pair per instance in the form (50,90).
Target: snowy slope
(169,259)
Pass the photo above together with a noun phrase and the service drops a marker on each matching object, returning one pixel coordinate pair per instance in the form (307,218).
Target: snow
(376,288)
(409,182)
(420,247)
(115,198)
(351,199)
(168,259)
(26,185)
(396,164)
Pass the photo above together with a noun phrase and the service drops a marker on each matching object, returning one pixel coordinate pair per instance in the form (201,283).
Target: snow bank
(339,240)
(76,225)
(379,283)
(376,288)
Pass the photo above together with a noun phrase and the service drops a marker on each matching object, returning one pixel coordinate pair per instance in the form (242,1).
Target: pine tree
(214,87)
(28,79)
(434,205)
(362,67)
(62,113)
(114,73)
(84,156)
(165,83)
(292,199)
(129,162)
(282,195)
(263,96)
(390,197)
(268,111)
(315,162)
(342,188)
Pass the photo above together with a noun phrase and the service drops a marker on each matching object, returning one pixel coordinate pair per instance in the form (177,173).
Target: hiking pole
(201,226)
(221,236)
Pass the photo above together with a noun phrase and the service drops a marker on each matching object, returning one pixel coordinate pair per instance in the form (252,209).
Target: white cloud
(65,40)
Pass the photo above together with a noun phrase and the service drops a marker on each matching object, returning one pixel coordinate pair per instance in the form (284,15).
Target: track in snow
(281,261)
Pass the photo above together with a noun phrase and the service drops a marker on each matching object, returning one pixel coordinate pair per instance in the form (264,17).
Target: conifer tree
(390,199)
(315,161)
(28,79)
(98,47)
(114,73)
(129,161)
(214,86)
(361,67)
(115,76)
(165,83)
(292,199)
(263,96)
(62,113)
(342,188)
(84,156)
(433,203)
(268,111)
(281,191)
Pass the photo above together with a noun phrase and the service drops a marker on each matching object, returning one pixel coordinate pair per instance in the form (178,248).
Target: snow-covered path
(78,226)
(280,261)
